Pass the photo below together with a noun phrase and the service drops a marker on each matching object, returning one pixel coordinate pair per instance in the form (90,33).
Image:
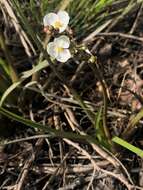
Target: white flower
(58,49)
(58,21)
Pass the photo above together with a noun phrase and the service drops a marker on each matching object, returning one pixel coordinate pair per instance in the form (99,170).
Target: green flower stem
(12,71)
(94,66)
(73,91)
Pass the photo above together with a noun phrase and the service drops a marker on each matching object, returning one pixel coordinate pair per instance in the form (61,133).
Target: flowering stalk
(59,50)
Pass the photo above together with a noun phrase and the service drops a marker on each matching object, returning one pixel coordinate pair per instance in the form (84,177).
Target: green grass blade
(134,120)
(5,67)
(98,118)
(26,24)
(128,146)
(8,91)
(35,69)
(25,75)
(99,130)
(33,10)
(98,125)
(47,129)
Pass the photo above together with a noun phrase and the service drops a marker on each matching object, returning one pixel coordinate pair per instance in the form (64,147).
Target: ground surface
(39,161)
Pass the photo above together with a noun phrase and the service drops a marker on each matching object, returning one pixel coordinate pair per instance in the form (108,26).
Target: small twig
(78,70)
(58,126)
(136,20)
(27,165)
(127,36)
(122,15)
(84,152)
(23,37)
(75,168)
(25,139)
(114,22)
(55,172)
(97,168)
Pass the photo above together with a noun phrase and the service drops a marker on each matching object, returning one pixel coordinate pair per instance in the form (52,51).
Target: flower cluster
(58,49)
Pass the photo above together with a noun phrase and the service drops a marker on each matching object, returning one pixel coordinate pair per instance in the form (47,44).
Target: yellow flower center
(59,49)
(57,24)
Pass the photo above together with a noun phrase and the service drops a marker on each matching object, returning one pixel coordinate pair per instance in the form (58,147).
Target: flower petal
(64,18)
(50,19)
(62,28)
(52,50)
(63,41)
(64,55)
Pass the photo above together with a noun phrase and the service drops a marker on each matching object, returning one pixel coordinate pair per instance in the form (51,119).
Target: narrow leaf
(128,146)
(8,91)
